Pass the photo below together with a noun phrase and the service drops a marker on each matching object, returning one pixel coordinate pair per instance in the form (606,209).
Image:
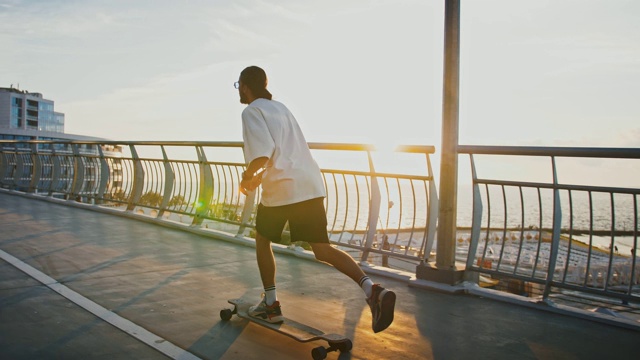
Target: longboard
(293,329)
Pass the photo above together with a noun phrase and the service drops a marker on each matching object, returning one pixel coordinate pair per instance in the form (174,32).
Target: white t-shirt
(292,175)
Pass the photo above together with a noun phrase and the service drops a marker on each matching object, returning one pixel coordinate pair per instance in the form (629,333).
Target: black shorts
(307,221)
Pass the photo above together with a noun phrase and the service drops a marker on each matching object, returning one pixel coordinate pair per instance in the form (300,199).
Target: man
(292,191)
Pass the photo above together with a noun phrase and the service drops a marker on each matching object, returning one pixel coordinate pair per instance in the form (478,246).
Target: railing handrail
(585,152)
(422,149)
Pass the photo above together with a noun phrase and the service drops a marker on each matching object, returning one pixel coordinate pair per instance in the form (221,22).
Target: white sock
(270,295)
(366,284)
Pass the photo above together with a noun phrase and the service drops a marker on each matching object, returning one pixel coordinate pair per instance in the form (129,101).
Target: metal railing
(565,243)
(562,242)
(382,218)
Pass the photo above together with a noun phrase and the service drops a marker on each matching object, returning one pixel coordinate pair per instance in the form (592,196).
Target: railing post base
(430,272)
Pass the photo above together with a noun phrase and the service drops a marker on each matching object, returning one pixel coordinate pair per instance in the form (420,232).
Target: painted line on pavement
(138,332)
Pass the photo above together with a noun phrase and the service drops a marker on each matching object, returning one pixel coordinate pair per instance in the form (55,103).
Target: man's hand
(250,182)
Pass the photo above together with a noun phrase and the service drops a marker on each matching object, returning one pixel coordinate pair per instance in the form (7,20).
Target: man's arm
(250,179)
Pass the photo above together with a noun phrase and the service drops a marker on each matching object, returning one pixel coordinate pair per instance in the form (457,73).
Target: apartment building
(28,115)
(24,112)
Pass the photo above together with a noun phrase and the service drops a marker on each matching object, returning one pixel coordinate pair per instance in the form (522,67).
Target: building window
(16,113)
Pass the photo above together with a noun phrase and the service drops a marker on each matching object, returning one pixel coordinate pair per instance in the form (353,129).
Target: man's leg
(380,300)
(269,308)
(266,261)
(338,259)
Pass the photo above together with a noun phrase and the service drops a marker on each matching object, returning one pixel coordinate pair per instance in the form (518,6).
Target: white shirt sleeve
(255,133)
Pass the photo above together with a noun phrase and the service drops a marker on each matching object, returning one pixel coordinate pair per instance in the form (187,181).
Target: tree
(177,200)
(151,199)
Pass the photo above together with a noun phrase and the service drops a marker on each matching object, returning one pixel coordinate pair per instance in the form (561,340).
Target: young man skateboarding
(292,191)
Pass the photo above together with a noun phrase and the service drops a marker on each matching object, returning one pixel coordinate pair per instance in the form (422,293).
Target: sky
(539,73)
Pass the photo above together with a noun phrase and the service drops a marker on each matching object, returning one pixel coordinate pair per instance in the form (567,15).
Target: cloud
(529,77)
(184,105)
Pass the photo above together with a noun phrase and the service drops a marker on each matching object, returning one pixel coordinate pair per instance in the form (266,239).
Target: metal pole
(446,248)
(445,270)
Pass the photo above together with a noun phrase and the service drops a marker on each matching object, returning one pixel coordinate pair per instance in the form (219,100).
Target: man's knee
(323,252)
(262,241)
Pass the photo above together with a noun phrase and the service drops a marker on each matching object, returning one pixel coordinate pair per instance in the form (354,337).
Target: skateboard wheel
(226,314)
(319,353)
(343,346)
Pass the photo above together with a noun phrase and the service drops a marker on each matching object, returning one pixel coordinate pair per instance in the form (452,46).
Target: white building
(28,115)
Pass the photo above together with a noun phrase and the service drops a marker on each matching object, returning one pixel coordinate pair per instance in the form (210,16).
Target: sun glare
(388,159)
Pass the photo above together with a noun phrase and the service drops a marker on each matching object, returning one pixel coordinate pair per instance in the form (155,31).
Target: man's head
(253,85)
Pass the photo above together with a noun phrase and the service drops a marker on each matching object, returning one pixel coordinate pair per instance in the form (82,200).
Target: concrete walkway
(117,288)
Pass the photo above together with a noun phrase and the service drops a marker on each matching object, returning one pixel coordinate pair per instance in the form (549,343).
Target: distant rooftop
(18,91)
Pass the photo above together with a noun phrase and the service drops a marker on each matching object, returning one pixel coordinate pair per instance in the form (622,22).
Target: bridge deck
(163,290)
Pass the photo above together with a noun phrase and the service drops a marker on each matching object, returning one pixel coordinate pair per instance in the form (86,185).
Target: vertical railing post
(78,173)
(104,174)
(433,205)
(138,179)
(56,171)
(374,210)
(169,178)
(36,171)
(3,165)
(555,237)
(476,217)
(205,191)
(17,174)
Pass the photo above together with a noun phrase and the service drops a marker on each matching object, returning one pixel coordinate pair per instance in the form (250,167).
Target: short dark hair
(256,79)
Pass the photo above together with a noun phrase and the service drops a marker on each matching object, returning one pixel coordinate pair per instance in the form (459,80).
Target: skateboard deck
(293,329)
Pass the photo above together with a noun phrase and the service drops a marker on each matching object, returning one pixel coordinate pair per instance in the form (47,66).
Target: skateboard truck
(293,329)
